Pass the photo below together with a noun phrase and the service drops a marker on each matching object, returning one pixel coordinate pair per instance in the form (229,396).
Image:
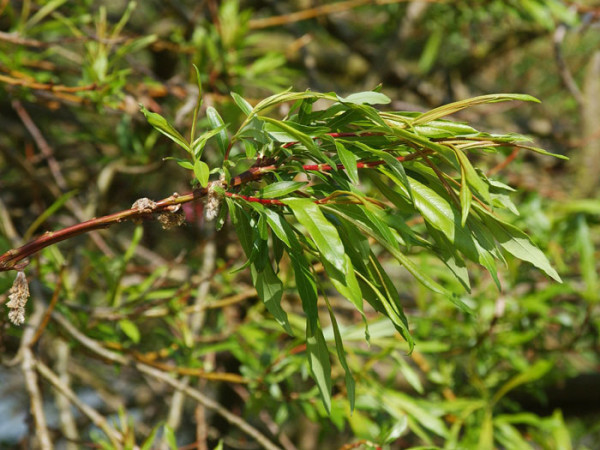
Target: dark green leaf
(323,233)
(270,289)
(339,346)
(281,188)
(318,357)
(348,159)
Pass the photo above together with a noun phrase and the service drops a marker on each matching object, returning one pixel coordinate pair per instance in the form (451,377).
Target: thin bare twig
(28,363)
(32,84)
(114,357)
(66,418)
(210,404)
(98,419)
(48,153)
(311,13)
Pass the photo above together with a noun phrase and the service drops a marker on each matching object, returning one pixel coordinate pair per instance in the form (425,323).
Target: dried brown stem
(322,10)
(114,357)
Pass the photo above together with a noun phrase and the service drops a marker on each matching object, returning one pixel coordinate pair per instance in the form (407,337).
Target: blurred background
(521,373)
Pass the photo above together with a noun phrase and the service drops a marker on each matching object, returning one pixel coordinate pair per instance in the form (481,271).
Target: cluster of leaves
(417,163)
(471,377)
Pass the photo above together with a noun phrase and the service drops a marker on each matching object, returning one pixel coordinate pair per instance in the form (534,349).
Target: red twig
(510,158)
(10,260)
(337,135)
(262,201)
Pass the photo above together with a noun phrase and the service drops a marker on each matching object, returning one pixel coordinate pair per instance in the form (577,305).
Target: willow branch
(11,260)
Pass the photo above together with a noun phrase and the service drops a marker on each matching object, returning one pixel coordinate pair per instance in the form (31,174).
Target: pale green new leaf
(217,123)
(517,243)
(242,103)
(452,108)
(202,171)
(161,124)
(366,98)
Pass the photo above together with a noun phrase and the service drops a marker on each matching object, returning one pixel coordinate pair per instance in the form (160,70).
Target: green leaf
(535,372)
(346,283)
(339,346)
(198,104)
(403,259)
(518,244)
(587,261)
(270,290)
(130,329)
(303,138)
(161,124)
(200,142)
(465,199)
(281,188)
(149,441)
(367,97)
(170,437)
(323,233)
(318,357)
(430,52)
(348,159)
(435,209)
(242,104)
(202,171)
(60,201)
(474,180)
(452,108)
(216,122)
(182,162)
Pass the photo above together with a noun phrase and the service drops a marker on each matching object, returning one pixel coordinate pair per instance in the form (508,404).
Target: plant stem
(10,260)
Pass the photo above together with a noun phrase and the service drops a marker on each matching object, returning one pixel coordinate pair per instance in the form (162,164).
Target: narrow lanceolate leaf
(402,258)
(270,289)
(303,138)
(465,199)
(452,108)
(348,159)
(242,104)
(435,209)
(366,98)
(346,283)
(202,171)
(517,243)
(216,122)
(161,124)
(339,346)
(318,358)
(316,347)
(323,233)
(281,188)
(474,180)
